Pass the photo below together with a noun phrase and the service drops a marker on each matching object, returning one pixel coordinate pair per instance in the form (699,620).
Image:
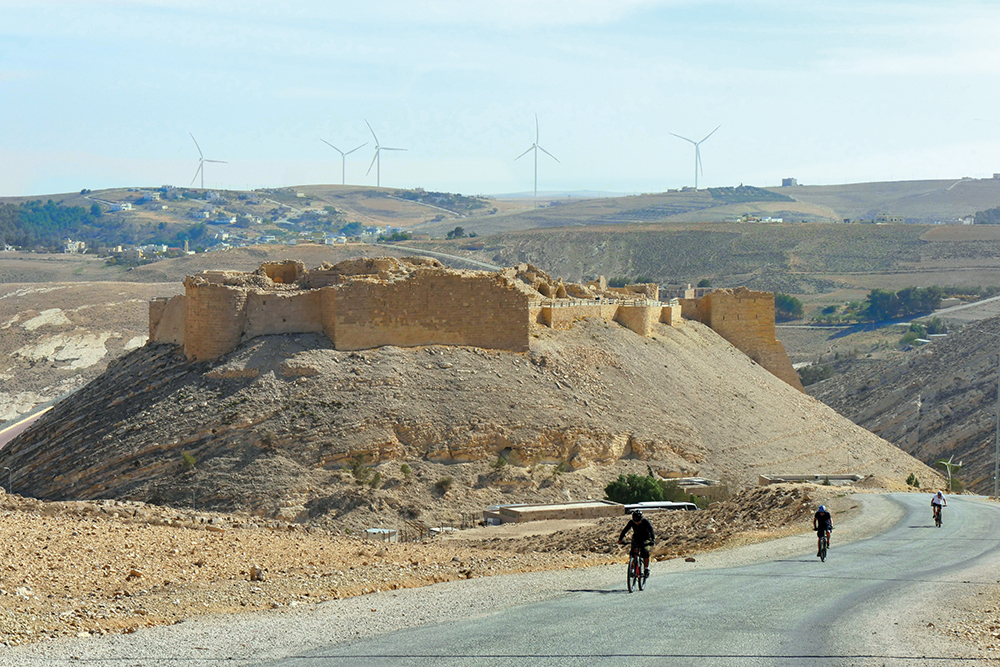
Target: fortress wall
(746,319)
(639,319)
(691,309)
(166,320)
(432,308)
(563,317)
(328,307)
(283,312)
(157,307)
(214,318)
(287,272)
(536,314)
(670,314)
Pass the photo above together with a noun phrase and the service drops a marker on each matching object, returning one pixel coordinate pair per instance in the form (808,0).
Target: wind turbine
(535,147)
(343,158)
(376,159)
(950,467)
(201,163)
(697,153)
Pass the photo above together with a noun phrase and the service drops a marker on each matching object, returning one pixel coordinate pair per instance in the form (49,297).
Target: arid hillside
(287,426)
(800,259)
(64,317)
(955,381)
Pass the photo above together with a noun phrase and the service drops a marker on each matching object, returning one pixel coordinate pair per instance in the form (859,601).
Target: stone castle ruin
(367,303)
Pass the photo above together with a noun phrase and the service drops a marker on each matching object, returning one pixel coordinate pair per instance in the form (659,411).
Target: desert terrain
(88,568)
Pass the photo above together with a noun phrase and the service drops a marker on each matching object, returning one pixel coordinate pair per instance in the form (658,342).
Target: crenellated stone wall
(745,319)
(432,307)
(370,302)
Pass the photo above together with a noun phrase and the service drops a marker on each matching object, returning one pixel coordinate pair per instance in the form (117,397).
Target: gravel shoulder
(245,639)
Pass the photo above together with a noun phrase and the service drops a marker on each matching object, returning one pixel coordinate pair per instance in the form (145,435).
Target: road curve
(859,608)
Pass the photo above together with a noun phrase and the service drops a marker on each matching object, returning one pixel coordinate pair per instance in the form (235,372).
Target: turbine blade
(524,153)
(354,149)
(332,146)
(197,146)
(196,172)
(549,154)
(372,131)
(374,157)
(391,149)
(710,134)
(684,138)
(218,161)
(697,158)
(536,128)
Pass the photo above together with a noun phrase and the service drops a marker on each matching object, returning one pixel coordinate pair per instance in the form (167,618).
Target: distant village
(232,223)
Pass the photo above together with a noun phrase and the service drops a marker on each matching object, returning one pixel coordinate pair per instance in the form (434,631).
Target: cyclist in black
(822,523)
(642,537)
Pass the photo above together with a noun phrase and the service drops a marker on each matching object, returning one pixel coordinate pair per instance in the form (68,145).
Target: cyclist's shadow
(601,591)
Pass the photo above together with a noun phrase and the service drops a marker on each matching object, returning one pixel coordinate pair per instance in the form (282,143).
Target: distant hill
(791,258)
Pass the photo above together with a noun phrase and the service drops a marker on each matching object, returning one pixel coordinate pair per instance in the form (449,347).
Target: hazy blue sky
(104,93)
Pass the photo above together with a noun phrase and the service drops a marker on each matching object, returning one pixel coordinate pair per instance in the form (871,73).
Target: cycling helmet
(636,515)
(822,508)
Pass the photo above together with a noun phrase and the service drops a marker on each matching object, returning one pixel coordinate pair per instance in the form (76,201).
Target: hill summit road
(882,598)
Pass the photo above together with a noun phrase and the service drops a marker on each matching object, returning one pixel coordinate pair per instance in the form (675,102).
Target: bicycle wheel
(638,574)
(630,577)
(822,549)
(937,518)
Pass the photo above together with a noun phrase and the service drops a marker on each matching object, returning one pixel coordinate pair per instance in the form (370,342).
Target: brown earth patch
(77,568)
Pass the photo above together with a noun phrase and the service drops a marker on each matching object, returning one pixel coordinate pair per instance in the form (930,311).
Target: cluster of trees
(885,305)
(628,489)
(990,216)
(34,224)
(448,200)
(786,308)
(881,305)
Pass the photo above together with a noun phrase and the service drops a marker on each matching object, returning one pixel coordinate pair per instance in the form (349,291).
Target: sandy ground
(106,567)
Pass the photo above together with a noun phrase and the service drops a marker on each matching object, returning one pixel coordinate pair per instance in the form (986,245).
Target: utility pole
(996,459)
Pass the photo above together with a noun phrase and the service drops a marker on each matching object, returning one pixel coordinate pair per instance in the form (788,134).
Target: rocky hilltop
(286,425)
(955,381)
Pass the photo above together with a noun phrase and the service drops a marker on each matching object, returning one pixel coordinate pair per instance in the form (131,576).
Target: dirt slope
(277,426)
(955,379)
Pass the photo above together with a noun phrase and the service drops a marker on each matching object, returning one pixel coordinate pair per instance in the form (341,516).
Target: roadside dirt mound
(754,511)
(955,381)
(288,427)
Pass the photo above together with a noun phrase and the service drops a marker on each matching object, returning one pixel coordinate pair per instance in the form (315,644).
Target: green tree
(786,308)
(456,233)
(95,210)
(704,282)
(628,489)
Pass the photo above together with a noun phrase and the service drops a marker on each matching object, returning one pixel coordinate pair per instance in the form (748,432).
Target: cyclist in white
(937,502)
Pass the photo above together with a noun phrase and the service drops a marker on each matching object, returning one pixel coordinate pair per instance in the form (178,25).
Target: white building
(121,206)
(72,247)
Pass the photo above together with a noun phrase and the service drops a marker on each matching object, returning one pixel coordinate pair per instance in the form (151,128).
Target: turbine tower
(376,160)
(535,147)
(343,159)
(201,163)
(697,153)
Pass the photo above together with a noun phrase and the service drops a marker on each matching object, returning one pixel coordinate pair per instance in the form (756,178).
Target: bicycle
(937,516)
(824,544)
(634,575)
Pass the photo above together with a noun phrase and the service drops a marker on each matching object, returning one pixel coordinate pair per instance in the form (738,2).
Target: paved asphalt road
(861,607)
